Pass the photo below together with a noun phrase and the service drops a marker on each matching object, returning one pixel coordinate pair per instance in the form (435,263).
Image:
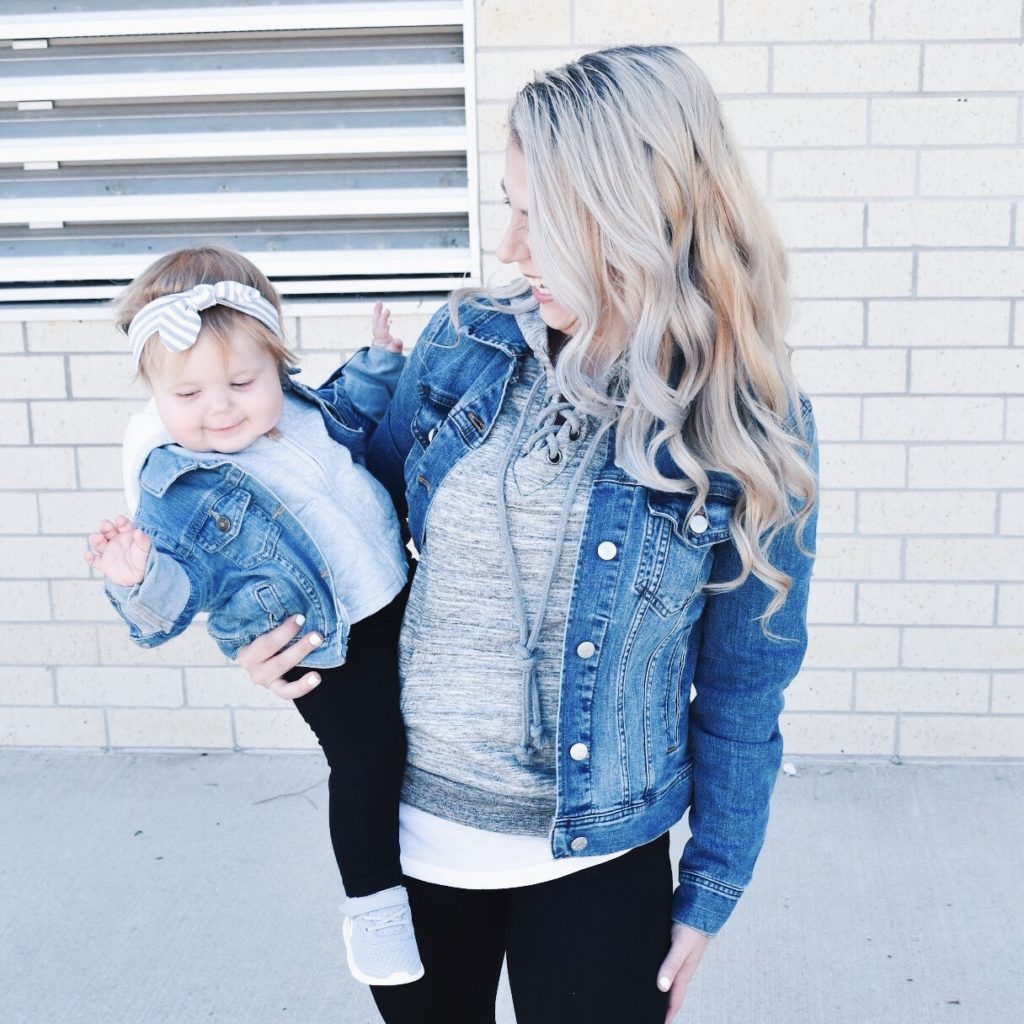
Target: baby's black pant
(355,715)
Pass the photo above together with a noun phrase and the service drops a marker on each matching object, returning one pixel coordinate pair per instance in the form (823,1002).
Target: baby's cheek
(272,408)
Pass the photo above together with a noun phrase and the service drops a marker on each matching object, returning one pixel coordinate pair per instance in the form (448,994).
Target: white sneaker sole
(397,978)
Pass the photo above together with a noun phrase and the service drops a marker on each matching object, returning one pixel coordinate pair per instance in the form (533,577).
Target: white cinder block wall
(887,138)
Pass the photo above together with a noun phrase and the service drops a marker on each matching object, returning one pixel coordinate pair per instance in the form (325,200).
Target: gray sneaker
(379,938)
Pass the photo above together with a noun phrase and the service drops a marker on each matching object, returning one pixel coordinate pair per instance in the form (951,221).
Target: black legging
(583,949)
(355,715)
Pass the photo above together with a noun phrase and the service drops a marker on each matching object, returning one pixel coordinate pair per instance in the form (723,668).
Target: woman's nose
(512,248)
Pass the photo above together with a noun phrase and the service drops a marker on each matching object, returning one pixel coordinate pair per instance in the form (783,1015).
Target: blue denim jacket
(224,543)
(651,753)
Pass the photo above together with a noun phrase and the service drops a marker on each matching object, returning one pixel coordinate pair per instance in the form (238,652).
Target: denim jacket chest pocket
(675,559)
(237,529)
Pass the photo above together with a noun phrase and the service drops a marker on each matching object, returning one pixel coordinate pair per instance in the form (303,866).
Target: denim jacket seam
(731,892)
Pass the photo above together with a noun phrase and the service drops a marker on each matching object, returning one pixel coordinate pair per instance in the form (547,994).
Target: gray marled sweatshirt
(462,651)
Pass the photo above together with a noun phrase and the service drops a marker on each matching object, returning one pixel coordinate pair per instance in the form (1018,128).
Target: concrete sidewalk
(150,888)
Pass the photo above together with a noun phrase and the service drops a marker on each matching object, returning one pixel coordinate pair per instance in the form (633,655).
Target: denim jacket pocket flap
(224,520)
(239,530)
(707,525)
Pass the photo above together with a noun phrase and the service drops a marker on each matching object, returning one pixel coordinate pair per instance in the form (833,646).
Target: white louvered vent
(327,141)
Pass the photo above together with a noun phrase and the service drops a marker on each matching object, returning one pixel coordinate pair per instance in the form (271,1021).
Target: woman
(611,481)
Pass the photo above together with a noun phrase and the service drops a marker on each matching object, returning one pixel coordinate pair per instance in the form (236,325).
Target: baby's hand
(119,551)
(382,328)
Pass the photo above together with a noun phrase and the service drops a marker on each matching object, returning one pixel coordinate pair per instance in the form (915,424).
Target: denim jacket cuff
(703,903)
(369,380)
(154,605)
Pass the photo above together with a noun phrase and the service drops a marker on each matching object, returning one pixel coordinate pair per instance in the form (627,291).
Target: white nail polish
(315,681)
(664,983)
(315,640)
(300,620)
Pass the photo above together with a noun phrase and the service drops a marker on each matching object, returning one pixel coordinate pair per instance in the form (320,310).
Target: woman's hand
(677,969)
(266,662)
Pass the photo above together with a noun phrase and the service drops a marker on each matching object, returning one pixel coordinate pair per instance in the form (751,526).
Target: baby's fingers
(124,524)
(107,529)
(138,553)
(381,321)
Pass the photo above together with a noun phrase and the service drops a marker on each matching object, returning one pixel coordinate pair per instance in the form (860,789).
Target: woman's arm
(734,740)
(734,734)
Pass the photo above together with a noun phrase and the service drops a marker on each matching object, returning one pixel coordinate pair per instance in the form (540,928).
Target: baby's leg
(355,715)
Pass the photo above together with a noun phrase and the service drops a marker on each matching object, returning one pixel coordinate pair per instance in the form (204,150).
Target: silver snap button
(579,843)
(222,523)
(579,752)
(699,522)
(606,550)
(586,650)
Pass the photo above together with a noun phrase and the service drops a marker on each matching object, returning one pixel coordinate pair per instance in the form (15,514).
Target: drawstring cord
(546,433)
(550,433)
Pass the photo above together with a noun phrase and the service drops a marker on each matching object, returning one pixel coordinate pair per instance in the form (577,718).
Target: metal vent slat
(175,142)
(92,200)
(29,297)
(295,250)
(327,141)
(24,20)
(184,207)
(228,75)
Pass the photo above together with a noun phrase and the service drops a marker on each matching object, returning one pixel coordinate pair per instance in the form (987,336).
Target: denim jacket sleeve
(359,391)
(734,733)
(172,591)
(393,439)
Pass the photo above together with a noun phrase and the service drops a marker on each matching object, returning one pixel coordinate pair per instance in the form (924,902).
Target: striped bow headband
(176,317)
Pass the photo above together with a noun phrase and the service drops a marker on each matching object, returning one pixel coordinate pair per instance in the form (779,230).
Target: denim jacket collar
(498,330)
(491,327)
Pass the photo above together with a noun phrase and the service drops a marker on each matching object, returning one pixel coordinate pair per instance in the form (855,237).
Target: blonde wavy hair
(643,213)
(185,268)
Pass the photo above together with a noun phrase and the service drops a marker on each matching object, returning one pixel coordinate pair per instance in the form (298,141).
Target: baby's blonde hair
(185,268)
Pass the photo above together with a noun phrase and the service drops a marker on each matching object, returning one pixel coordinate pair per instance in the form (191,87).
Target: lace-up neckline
(556,425)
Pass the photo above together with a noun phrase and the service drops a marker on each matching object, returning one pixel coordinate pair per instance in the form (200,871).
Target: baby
(250,502)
